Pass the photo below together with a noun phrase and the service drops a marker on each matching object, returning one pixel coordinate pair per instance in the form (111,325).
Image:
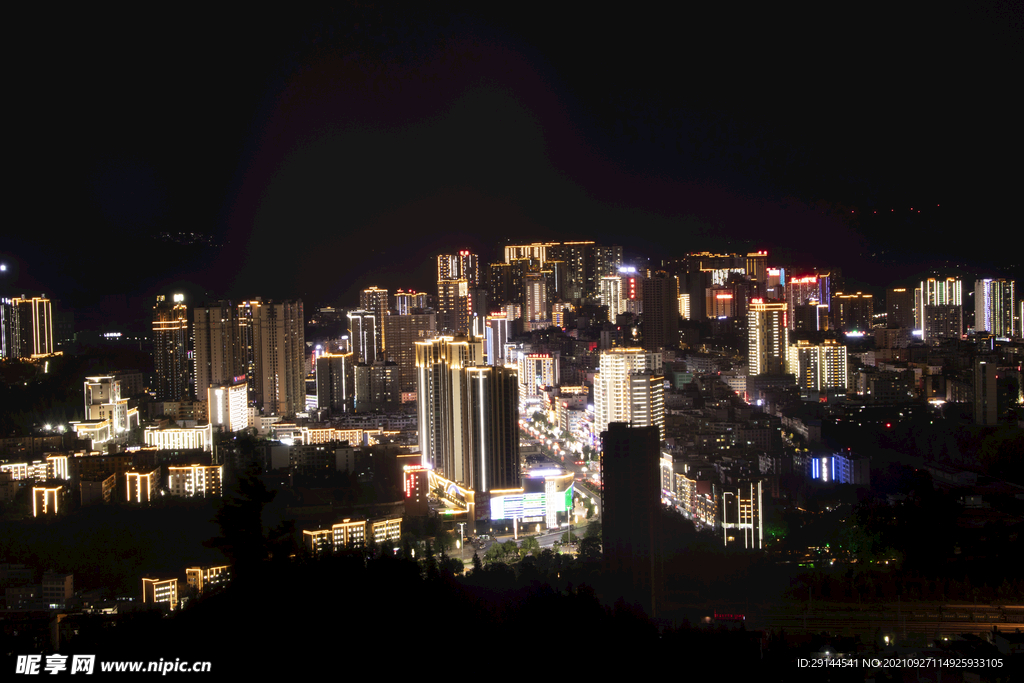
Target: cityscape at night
(517,337)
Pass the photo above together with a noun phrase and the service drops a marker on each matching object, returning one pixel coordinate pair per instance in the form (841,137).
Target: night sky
(319,154)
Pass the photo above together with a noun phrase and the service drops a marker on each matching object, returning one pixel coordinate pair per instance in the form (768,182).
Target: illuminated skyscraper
(453,306)
(993,307)
(34,321)
(536,307)
(362,330)
(853,312)
(936,292)
(170,349)
(335,382)
(629,388)
(376,301)
(768,337)
(611,295)
(468,414)
(818,367)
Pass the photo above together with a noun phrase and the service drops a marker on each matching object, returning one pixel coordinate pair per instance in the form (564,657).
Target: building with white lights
(993,307)
(228,406)
(629,388)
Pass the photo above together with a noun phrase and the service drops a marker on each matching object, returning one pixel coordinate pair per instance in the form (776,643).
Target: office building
(170,349)
(468,414)
(629,388)
(611,295)
(362,333)
(630,502)
(768,337)
(536,370)
(993,307)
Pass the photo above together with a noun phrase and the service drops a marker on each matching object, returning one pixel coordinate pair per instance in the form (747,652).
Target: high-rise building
(629,387)
(853,312)
(362,331)
(497,334)
(33,318)
(986,410)
(402,333)
(219,357)
(228,405)
(406,302)
(335,382)
(536,307)
(611,295)
(935,292)
(660,295)
(170,349)
(899,304)
(453,306)
(768,337)
(468,414)
(818,367)
(279,330)
(376,301)
(631,498)
(942,321)
(993,307)
(536,370)
(801,291)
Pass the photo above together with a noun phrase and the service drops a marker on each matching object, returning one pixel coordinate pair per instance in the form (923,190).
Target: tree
(566,538)
(529,545)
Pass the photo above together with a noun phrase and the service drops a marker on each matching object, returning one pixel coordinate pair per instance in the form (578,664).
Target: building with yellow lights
(178,438)
(142,486)
(171,349)
(817,367)
(350,533)
(768,337)
(160,592)
(47,501)
(201,481)
(202,578)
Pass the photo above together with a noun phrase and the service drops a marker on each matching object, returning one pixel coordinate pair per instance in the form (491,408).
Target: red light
(888,424)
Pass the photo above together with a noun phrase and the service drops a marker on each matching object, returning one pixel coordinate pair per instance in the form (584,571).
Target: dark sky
(323,153)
